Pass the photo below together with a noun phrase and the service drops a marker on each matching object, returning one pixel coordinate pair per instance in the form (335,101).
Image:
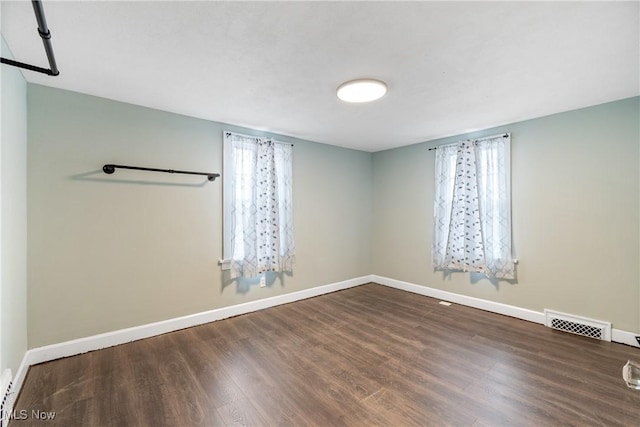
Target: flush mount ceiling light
(362,90)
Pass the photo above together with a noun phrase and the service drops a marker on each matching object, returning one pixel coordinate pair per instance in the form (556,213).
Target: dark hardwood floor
(369,355)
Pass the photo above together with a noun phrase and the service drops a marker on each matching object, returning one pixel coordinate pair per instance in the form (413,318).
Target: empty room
(317,213)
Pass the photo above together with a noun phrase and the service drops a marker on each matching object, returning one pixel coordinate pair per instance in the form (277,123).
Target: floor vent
(6,406)
(578,325)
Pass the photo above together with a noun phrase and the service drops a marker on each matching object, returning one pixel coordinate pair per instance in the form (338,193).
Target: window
(472,208)
(258,205)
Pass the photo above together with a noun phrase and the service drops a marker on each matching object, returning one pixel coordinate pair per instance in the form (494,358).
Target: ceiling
(451,67)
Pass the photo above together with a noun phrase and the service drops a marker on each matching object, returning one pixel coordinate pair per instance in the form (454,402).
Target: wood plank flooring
(365,356)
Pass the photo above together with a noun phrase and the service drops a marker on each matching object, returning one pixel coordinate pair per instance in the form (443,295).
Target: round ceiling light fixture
(362,90)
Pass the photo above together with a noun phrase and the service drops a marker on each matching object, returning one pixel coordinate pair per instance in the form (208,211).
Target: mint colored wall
(575,196)
(110,252)
(13,216)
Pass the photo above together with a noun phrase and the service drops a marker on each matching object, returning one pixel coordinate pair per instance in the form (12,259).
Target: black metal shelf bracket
(111,168)
(45,34)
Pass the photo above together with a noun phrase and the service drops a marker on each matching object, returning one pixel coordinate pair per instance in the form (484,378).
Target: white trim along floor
(97,342)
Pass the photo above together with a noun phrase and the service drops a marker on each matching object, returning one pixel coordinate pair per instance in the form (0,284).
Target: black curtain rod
(111,168)
(474,140)
(45,34)
(253,136)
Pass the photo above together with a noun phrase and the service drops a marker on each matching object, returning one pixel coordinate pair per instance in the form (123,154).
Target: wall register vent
(6,406)
(578,325)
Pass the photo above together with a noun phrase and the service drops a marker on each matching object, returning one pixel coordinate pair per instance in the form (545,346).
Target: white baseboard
(625,337)
(494,307)
(96,342)
(617,335)
(21,373)
(122,336)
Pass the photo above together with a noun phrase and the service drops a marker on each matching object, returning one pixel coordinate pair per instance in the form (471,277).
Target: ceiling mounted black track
(46,40)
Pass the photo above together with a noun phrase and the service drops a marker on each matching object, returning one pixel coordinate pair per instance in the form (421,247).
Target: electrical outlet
(263,281)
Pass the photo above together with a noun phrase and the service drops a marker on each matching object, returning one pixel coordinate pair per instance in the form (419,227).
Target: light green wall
(110,252)
(13,213)
(575,196)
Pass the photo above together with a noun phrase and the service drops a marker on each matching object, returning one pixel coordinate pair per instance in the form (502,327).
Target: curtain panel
(472,208)
(262,206)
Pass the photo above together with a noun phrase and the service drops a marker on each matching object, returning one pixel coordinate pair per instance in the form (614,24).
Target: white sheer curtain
(262,206)
(472,209)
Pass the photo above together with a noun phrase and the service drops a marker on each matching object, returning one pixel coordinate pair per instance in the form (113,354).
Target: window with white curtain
(472,208)
(258,205)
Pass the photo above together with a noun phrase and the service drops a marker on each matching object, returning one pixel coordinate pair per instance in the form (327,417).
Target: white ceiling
(451,67)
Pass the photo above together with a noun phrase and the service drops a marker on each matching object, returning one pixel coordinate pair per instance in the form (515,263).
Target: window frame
(438,242)
(227,170)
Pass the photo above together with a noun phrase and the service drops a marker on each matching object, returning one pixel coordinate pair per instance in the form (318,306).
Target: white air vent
(578,325)
(6,406)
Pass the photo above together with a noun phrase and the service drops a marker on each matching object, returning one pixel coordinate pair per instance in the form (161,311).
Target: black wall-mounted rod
(45,34)
(111,168)
(27,66)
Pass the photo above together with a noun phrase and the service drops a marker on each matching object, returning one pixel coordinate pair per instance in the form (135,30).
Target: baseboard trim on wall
(21,373)
(123,336)
(625,337)
(494,307)
(617,335)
